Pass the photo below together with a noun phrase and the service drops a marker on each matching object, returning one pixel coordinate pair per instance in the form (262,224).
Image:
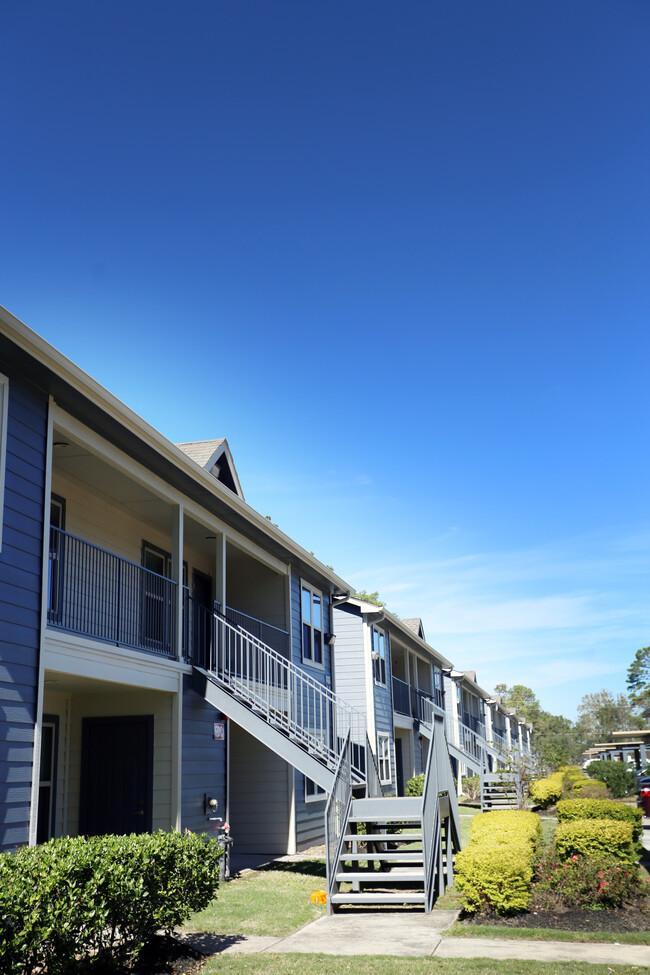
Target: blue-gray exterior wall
(310,822)
(20,603)
(203,762)
(349,662)
(384,714)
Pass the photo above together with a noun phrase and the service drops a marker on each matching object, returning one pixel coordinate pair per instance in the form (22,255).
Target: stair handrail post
(374,788)
(337,813)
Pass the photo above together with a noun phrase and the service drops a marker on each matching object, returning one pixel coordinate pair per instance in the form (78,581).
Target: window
(313,792)
(4,411)
(312,625)
(379,655)
(47,778)
(383,758)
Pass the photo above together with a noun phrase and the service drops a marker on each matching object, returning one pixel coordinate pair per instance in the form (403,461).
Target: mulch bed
(630,919)
(167,956)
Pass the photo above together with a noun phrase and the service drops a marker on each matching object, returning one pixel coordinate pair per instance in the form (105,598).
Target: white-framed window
(383,758)
(311,613)
(313,792)
(4,412)
(378,655)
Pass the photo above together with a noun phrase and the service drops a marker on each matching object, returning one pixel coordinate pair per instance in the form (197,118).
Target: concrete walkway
(415,934)
(379,933)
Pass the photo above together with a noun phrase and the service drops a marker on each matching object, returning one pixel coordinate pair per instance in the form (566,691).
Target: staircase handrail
(431,832)
(337,813)
(374,788)
(287,695)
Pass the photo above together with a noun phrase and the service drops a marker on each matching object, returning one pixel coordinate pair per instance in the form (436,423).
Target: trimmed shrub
(495,871)
(415,786)
(570,809)
(590,789)
(546,792)
(101,899)
(593,838)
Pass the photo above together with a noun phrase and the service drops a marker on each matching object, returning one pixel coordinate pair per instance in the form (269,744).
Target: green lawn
(294,964)
(460,930)
(272,900)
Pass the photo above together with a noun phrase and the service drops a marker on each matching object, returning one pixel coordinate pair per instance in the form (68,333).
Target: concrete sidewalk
(415,935)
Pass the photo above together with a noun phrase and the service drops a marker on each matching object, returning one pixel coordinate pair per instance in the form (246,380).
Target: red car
(643,794)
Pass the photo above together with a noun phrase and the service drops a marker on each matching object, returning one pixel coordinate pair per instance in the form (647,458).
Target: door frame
(147,721)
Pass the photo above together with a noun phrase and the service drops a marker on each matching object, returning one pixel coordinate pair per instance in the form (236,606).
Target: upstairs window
(312,625)
(383,759)
(379,655)
(4,411)
(313,792)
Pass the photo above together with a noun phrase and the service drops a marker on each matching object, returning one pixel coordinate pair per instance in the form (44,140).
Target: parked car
(643,794)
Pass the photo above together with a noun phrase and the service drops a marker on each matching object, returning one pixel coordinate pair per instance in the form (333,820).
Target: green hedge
(495,871)
(570,809)
(100,899)
(595,838)
(546,792)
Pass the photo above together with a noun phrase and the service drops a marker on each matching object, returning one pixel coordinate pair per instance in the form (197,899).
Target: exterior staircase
(499,790)
(290,712)
(408,843)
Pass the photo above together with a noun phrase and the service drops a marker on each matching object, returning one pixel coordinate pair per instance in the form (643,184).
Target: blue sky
(398,255)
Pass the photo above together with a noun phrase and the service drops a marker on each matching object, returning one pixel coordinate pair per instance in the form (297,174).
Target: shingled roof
(214,456)
(415,625)
(200,451)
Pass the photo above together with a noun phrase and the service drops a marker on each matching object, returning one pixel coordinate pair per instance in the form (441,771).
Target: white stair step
(388,837)
(375,897)
(384,819)
(389,877)
(410,857)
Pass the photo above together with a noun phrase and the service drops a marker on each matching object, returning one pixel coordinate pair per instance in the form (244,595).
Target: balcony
(94,593)
(415,703)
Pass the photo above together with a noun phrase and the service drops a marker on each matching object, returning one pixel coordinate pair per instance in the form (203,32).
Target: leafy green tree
(638,681)
(370,597)
(603,713)
(521,698)
(556,740)
(616,775)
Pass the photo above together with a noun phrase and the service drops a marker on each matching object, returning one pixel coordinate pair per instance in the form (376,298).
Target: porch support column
(177,573)
(177,754)
(220,572)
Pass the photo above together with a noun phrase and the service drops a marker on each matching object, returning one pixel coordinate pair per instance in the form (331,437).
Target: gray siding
(259,796)
(20,603)
(349,664)
(310,817)
(204,762)
(310,822)
(384,714)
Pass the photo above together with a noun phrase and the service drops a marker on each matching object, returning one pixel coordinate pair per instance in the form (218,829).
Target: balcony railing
(415,703)
(473,722)
(98,594)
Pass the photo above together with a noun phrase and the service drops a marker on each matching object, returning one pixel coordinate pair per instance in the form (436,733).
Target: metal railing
(286,696)
(431,830)
(474,722)
(374,788)
(98,594)
(471,743)
(337,813)
(414,702)
(272,636)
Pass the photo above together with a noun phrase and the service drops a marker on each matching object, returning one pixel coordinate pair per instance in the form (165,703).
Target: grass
(274,900)
(460,930)
(294,964)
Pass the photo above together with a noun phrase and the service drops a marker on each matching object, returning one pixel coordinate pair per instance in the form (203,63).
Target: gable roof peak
(215,457)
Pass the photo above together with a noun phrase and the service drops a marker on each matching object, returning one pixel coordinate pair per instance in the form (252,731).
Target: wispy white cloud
(560,618)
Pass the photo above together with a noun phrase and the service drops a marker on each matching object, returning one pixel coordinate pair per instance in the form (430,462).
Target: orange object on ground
(319,897)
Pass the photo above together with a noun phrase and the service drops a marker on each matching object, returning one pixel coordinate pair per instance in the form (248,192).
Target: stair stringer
(278,741)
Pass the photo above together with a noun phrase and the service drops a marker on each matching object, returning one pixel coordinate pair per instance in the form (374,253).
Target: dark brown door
(116,775)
